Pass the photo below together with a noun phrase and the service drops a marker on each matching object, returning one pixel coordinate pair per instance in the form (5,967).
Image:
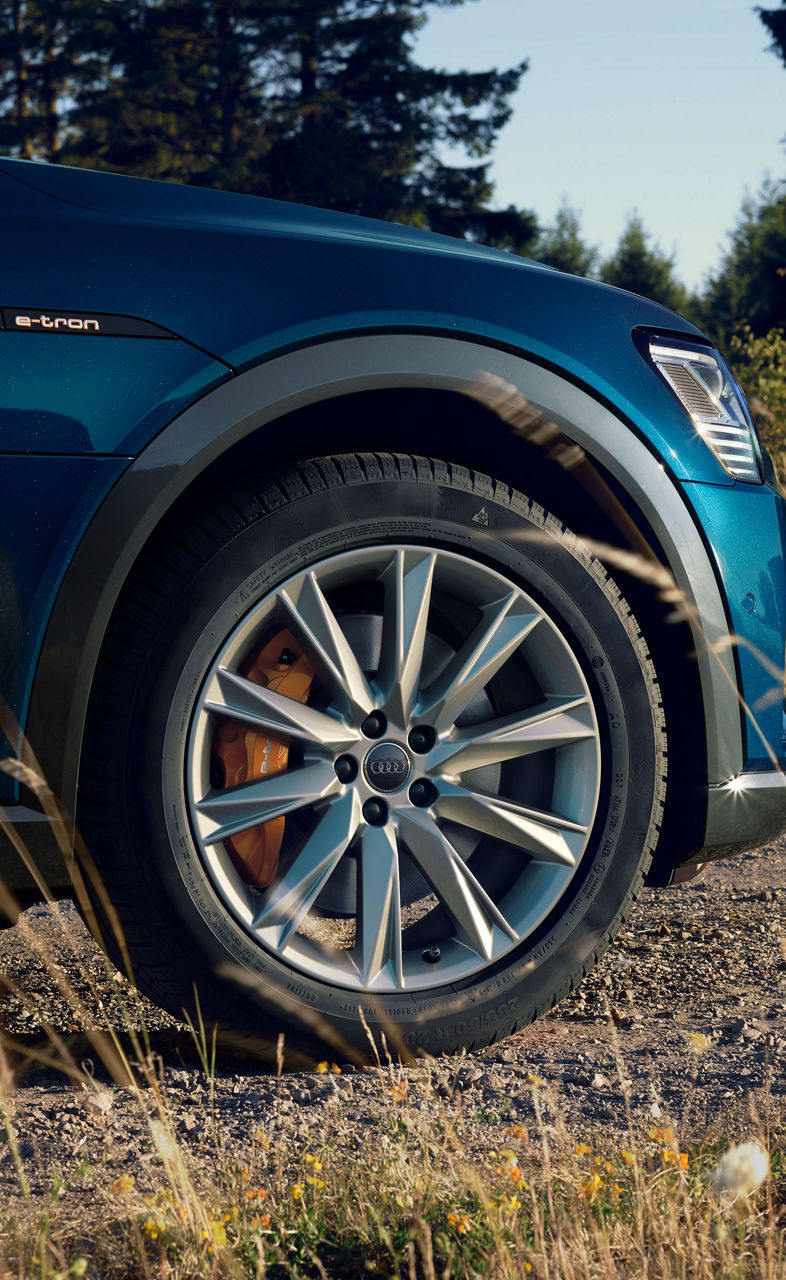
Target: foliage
(561,245)
(775,22)
(643,268)
(760,364)
(43,61)
(750,287)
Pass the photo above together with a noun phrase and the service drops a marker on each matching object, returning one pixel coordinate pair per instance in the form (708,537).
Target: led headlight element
(707,390)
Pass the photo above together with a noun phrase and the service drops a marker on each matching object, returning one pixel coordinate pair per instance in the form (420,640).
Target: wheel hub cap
(387,767)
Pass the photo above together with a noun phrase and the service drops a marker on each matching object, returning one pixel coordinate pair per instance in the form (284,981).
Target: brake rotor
(246,754)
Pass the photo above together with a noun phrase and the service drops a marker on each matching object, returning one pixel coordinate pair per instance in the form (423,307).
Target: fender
(249,401)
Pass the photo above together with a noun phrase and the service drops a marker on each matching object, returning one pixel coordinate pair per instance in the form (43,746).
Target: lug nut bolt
(375,812)
(346,769)
(422,738)
(374,725)
(421,793)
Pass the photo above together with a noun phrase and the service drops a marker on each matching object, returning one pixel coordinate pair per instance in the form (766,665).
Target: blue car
(386,609)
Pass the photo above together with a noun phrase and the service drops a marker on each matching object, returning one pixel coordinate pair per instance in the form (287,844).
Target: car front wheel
(375,741)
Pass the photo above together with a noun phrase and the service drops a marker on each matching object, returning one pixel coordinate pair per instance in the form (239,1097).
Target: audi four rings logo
(388,766)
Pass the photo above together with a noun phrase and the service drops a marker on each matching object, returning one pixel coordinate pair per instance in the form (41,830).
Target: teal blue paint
(745,528)
(47,503)
(71,394)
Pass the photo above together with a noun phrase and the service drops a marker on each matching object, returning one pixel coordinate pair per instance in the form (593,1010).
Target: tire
(465,764)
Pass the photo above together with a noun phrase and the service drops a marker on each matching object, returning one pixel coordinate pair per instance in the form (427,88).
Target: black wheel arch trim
(191,442)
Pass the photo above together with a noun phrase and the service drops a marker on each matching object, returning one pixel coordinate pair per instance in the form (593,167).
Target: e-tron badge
(387,767)
(91,324)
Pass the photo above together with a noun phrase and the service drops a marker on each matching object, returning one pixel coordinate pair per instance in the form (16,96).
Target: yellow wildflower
(296,1191)
(322,1067)
(509,1202)
(627,1157)
(590,1187)
(582,1148)
(123,1185)
(509,1167)
(219,1235)
(460,1223)
(678,1158)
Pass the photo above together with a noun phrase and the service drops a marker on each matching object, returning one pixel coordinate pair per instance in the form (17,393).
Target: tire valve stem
(287,657)
(431,955)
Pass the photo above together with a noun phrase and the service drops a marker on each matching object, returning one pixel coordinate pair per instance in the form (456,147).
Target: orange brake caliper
(247,754)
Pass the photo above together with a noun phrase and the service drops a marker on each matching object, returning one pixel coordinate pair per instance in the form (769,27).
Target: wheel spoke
(311,618)
(559,722)
(378,949)
(479,923)
(289,900)
(231,695)
(239,808)
(407,582)
(504,625)
(548,837)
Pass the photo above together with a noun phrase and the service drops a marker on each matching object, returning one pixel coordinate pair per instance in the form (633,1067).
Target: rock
(735,1029)
(96,1102)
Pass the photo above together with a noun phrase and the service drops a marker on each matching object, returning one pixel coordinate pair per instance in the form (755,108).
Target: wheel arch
(507,412)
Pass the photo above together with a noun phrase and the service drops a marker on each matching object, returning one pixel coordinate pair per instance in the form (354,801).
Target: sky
(674,109)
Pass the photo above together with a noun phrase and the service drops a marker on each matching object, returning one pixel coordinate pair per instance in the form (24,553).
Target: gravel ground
(683,1022)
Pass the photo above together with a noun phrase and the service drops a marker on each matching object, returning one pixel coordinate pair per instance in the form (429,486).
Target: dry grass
(551,1206)
(404,1199)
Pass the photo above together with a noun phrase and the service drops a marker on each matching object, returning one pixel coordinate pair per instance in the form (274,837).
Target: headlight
(709,393)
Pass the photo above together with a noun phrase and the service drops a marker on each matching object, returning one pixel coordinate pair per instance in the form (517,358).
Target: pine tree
(561,245)
(317,101)
(39,69)
(643,268)
(775,22)
(750,287)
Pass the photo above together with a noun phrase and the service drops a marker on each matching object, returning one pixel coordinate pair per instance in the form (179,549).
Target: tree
(760,364)
(775,22)
(561,245)
(750,286)
(643,268)
(318,101)
(39,69)
(182,96)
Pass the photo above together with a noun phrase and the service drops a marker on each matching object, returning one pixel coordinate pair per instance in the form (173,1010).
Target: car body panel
(47,504)
(293,276)
(746,531)
(66,394)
